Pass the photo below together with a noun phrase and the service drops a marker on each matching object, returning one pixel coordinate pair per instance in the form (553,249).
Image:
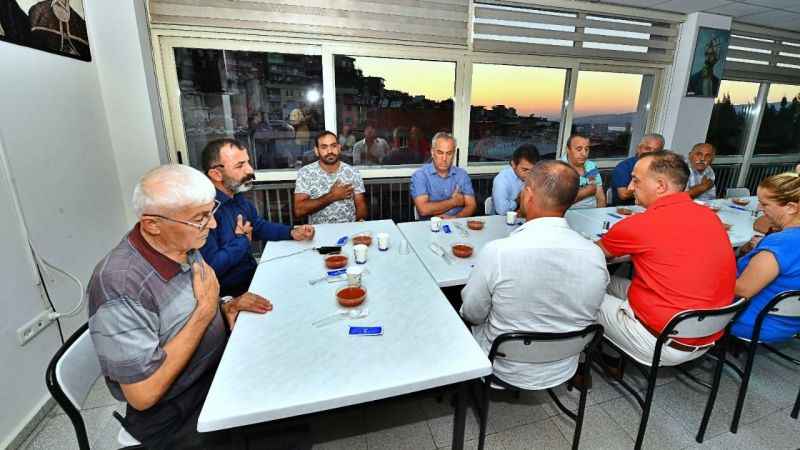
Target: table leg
(460,417)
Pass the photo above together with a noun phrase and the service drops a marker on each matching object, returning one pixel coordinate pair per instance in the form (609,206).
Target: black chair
(785,304)
(70,375)
(689,324)
(530,347)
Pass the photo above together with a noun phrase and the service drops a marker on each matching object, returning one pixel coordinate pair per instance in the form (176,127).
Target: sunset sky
(535,90)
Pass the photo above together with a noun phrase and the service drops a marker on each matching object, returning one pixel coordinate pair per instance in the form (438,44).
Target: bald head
(553,185)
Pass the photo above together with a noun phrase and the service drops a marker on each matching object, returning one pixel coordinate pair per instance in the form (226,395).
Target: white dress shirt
(544,277)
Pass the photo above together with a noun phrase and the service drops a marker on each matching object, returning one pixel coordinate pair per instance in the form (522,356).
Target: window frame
(166,39)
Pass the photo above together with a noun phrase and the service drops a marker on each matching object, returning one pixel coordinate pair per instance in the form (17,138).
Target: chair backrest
(737,192)
(70,376)
(531,347)
(488,206)
(785,304)
(700,323)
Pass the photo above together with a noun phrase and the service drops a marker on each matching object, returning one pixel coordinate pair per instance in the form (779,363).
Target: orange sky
(741,92)
(531,90)
(778,91)
(434,79)
(535,90)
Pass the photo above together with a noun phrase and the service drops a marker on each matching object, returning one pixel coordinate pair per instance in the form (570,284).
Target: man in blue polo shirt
(438,188)
(621,177)
(507,184)
(227,250)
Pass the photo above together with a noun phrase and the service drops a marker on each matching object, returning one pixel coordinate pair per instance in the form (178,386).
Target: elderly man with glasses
(155,314)
(227,164)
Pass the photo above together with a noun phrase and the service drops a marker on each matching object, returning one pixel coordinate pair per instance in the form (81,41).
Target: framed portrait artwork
(708,62)
(55,26)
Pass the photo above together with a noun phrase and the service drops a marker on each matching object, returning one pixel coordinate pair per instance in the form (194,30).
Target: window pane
(610,108)
(272,102)
(511,106)
(731,115)
(388,110)
(780,126)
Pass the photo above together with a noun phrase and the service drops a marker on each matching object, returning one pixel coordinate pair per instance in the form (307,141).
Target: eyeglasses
(199,225)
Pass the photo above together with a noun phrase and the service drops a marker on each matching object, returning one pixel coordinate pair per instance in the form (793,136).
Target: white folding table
(589,221)
(279,365)
(457,270)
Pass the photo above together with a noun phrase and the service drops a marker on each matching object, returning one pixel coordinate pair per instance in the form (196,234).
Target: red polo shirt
(682,258)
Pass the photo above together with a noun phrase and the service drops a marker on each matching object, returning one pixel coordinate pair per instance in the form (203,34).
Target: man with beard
(227,250)
(329,190)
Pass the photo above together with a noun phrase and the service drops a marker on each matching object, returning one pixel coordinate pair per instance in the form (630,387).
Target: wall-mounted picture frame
(55,26)
(708,62)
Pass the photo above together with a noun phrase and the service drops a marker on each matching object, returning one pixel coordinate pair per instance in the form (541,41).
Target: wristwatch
(226,299)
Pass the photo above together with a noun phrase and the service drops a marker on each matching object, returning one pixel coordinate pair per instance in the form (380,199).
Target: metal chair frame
(752,346)
(527,338)
(666,335)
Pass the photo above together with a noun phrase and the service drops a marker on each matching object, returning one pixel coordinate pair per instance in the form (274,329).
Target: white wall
(122,53)
(685,119)
(54,131)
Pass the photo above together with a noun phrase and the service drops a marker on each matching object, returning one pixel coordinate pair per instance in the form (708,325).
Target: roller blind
(762,55)
(510,28)
(433,21)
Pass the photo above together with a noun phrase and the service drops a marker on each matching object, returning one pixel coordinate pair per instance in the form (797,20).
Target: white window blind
(511,28)
(761,54)
(433,21)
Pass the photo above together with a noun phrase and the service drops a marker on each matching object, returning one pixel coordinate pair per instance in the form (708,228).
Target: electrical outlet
(28,331)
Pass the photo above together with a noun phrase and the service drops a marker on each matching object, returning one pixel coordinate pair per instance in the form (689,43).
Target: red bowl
(475,224)
(335,261)
(351,296)
(741,201)
(462,250)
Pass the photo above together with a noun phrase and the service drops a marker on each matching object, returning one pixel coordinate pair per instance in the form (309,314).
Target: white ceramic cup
(360,253)
(383,241)
(511,217)
(354,275)
(436,223)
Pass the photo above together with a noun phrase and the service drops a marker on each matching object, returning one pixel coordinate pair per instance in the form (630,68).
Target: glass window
(514,105)
(730,118)
(611,109)
(387,110)
(272,102)
(780,126)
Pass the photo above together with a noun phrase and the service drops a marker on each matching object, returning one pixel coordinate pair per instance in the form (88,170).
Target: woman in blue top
(773,266)
(590,192)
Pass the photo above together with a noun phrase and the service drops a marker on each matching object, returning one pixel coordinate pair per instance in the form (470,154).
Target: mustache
(248,178)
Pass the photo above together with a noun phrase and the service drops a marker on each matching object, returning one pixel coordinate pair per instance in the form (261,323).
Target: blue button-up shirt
(229,253)
(425,181)
(622,178)
(505,190)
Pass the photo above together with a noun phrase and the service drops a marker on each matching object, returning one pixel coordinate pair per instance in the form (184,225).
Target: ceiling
(772,13)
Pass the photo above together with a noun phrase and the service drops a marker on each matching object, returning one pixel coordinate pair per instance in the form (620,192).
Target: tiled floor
(530,422)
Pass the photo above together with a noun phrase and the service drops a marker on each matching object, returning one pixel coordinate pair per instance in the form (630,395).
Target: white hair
(170,187)
(655,136)
(443,135)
